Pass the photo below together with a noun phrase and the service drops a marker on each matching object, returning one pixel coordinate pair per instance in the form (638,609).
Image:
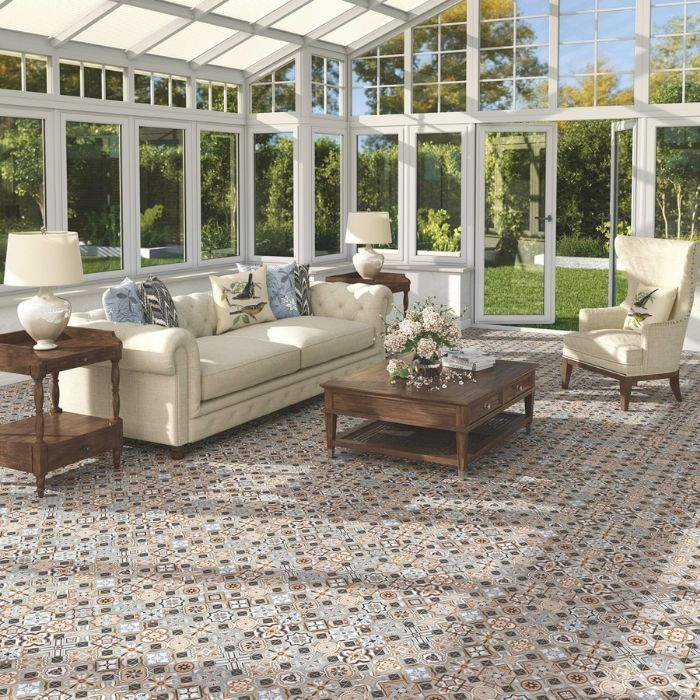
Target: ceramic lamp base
(368,262)
(44,317)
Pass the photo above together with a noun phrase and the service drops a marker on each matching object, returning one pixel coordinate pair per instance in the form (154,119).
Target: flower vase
(427,369)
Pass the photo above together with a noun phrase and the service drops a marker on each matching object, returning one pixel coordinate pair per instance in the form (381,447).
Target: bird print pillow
(650,305)
(241,299)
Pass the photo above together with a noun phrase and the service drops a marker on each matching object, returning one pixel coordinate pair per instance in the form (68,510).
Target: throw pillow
(650,305)
(122,303)
(302,291)
(280,288)
(241,299)
(158,304)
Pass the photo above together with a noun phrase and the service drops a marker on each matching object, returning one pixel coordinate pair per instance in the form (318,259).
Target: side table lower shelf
(67,438)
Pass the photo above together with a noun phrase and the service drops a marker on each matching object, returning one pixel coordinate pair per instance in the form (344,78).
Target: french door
(515,224)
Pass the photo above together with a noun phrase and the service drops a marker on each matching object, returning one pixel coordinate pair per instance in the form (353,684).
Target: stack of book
(462,358)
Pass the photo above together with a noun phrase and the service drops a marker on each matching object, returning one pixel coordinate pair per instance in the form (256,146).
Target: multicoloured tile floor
(565,566)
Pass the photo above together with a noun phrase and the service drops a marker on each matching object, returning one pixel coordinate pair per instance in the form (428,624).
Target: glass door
(622,140)
(515,228)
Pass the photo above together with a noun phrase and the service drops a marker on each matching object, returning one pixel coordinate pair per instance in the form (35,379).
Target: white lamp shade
(367,227)
(43,259)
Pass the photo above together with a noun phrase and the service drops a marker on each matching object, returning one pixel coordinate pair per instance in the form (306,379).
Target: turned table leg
(39,449)
(55,394)
(462,453)
(116,453)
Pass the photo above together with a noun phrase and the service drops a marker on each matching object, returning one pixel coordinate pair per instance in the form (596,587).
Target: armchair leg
(565,373)
(674,381)
(625,393)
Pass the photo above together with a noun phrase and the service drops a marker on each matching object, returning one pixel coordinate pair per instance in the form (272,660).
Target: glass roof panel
(192,41)
(249,52)
(357,28)
(313,15)
(406,5)
(249,10)
(44,18)
(124,27)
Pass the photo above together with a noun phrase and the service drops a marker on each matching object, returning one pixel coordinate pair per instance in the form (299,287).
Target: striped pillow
(301,289)
(158,305)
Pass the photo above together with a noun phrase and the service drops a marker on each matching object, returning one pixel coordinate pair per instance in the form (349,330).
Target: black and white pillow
(158,305)
(301,289)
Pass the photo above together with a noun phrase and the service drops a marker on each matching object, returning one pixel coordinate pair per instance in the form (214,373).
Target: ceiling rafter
(336,22)
(383,9)
(218,20)
(420,14)
(86,21)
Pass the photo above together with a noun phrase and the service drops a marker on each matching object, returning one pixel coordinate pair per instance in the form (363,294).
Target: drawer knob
(487,406)
(519,387)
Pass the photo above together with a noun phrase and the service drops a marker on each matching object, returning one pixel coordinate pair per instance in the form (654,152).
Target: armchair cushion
(650,305)
(608,349)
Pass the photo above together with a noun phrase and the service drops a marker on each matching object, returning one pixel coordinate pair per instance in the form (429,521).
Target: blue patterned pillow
(122,303)
(280,288)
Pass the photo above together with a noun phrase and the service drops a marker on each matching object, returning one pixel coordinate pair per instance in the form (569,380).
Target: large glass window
(674,51)
(274,194)
(439,193)
(218,157)
(91,80)
(377,79)
(326,90)
(327,197)
(378,177)
(94,192)
(678,182)
(440,62)
(596,52)
(20,71)
(276,91)
(22,195)
(514,54)
(162,195)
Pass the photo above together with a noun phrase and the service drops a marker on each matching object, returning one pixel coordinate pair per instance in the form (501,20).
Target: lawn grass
(512,290)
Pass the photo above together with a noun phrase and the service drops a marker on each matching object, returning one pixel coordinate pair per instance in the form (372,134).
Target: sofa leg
(177,452)
(675,383)
(625,393)
(565,373)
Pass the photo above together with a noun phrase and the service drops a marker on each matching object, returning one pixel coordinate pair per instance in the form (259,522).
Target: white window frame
(197,191)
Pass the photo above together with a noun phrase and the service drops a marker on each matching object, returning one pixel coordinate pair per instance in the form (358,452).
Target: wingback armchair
(625,342)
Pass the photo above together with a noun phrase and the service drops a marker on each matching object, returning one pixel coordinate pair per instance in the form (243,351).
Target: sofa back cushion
(196,313)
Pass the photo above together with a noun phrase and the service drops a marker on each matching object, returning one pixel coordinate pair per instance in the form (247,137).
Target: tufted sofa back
(196,313)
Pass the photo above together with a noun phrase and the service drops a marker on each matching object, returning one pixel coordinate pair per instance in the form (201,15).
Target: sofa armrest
(367,303)
(597,319)
(149,348)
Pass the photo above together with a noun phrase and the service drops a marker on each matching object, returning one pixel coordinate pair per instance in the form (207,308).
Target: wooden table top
(374,381)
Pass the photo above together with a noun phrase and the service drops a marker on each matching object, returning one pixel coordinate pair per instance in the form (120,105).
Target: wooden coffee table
(451,426)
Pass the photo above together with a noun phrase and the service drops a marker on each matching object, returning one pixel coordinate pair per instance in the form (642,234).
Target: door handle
(544,218)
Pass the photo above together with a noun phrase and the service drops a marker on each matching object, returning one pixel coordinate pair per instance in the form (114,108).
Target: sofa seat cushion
(608,349)
(233,362)
(319,338)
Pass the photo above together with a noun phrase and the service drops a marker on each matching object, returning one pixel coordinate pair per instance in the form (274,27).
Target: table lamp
(367,227)
(42,259)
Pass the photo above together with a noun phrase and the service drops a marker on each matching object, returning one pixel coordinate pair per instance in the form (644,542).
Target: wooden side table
(51,440)
(396,281)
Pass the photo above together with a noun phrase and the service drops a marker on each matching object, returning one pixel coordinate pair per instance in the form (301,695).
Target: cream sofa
(179,385)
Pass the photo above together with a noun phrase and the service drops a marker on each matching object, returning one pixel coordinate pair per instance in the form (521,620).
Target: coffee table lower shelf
(429,444)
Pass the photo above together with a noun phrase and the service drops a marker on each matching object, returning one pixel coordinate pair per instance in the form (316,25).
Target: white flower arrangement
(426,329)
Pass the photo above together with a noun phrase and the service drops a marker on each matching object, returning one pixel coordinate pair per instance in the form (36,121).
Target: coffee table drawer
(484,406)
(408,412)
(521,386)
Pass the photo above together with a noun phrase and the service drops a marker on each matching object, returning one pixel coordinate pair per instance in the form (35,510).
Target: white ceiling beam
(280,13)
(336,22)
(156,38)
(387,10)
(102,10)
(237,25)
(4,2)
(420,14)
(219,49)
(276,57)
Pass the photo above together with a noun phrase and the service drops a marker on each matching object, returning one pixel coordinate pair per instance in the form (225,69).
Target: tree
(327,195)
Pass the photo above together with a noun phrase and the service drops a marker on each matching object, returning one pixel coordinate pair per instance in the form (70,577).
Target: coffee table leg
(529,410)
(462,451)
(331,425)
